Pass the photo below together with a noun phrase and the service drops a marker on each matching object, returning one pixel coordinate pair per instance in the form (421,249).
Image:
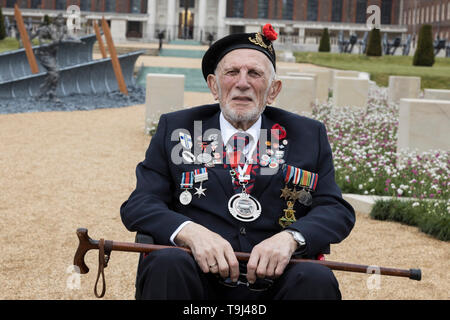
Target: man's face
(242,84)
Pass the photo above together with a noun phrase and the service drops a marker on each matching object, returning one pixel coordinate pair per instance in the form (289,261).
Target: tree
(374,44)
(325,41)
(2,26)
(424,55)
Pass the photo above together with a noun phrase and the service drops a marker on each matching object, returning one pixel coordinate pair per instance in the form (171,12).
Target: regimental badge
(258,40)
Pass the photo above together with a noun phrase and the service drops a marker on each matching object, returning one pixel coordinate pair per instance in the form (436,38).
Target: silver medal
(204,158)
(188,156)
(244,207)
(185,197)
(305,197)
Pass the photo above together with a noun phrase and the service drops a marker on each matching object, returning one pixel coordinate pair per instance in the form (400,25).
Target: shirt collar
(227,130)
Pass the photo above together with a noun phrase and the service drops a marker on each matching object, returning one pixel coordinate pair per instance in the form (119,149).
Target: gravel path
(64,170)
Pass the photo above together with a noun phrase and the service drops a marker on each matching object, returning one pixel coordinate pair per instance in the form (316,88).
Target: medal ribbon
(301,177)
(187,180)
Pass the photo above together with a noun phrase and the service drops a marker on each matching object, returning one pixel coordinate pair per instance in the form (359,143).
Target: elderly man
(263,181)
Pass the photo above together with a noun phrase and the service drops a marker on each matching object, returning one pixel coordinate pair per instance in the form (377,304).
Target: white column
(171,14)
(151,22)
(221,14)
(201,20)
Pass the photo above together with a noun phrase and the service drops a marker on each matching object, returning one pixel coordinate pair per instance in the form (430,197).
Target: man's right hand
(212,252)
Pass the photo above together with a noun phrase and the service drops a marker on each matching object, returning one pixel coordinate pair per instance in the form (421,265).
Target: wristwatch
(301,243)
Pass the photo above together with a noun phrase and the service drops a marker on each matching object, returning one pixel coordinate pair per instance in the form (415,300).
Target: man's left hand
(270,257)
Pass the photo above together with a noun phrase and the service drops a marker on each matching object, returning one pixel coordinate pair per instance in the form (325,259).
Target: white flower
(360,186)
(399,191)
(415,204)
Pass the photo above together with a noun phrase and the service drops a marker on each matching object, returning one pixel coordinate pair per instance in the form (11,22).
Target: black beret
(220,48)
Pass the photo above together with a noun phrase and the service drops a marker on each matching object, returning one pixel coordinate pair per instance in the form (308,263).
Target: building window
(361,8)
(386,11)
(263,9)
(60,4)
(238,8)
(190,3)
(312,10)
(135,6)
(36,4)
(288,9)
(110,5)
(85,5)
(336,11)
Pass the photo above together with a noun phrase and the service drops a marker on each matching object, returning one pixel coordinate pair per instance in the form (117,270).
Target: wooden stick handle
(86,244)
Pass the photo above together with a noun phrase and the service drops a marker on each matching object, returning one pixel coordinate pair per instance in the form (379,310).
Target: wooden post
(25,40)
(114,58)
(99,39)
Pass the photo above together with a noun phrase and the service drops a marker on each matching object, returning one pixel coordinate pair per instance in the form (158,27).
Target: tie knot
(240,140)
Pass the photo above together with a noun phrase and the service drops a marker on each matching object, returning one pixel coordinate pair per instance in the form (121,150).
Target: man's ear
(274,90)
(212,84)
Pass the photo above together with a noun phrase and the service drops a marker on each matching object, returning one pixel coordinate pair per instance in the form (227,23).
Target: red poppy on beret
(269,32)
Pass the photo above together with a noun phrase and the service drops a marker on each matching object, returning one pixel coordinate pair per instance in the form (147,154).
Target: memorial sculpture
(439,44)
(51,36)
(389,48)
(363,43)
(346,46)
(407,46)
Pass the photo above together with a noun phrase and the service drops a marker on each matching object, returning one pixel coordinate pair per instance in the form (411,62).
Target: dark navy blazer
(154,208)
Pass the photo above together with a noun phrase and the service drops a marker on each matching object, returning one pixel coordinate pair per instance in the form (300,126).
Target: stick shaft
(243,256)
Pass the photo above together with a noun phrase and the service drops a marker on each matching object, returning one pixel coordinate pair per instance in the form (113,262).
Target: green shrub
(325,41)
(431,217)
(2,25)
(424,55)
(374,44)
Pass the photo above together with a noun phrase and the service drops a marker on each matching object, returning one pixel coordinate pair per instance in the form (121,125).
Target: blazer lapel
(263,180)
(212,126)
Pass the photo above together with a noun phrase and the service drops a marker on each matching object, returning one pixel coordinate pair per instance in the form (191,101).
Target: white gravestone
(164,93)
(350,92)
(403,87)
(322,82)
(436,94)
(298,94)
(424,125)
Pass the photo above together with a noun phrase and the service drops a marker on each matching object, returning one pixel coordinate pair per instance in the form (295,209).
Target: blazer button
(242,231)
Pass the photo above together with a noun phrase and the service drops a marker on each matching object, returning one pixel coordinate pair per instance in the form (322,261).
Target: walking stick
(106,246)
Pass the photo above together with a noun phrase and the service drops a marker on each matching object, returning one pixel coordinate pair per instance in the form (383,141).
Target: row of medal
(273,157)
(296,178)
(188,181)
(208,159)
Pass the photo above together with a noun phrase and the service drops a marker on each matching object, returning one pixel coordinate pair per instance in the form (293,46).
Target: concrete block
(436,94)
(164,93)
(423,125)
(118,30)
(322,82)
(350,92)
(403,87)
(298,94)
(284,70)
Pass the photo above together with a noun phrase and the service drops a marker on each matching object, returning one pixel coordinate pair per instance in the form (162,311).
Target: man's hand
(212,252)
(270,257)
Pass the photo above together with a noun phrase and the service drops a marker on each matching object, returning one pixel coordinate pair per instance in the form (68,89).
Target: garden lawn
(9,44)
(380,68)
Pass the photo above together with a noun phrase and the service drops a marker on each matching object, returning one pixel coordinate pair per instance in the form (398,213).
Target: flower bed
(365,157)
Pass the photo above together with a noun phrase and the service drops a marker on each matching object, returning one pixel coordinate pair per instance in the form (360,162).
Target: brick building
(298,21)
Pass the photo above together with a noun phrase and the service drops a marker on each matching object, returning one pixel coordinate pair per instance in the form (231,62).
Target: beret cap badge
(260,41)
